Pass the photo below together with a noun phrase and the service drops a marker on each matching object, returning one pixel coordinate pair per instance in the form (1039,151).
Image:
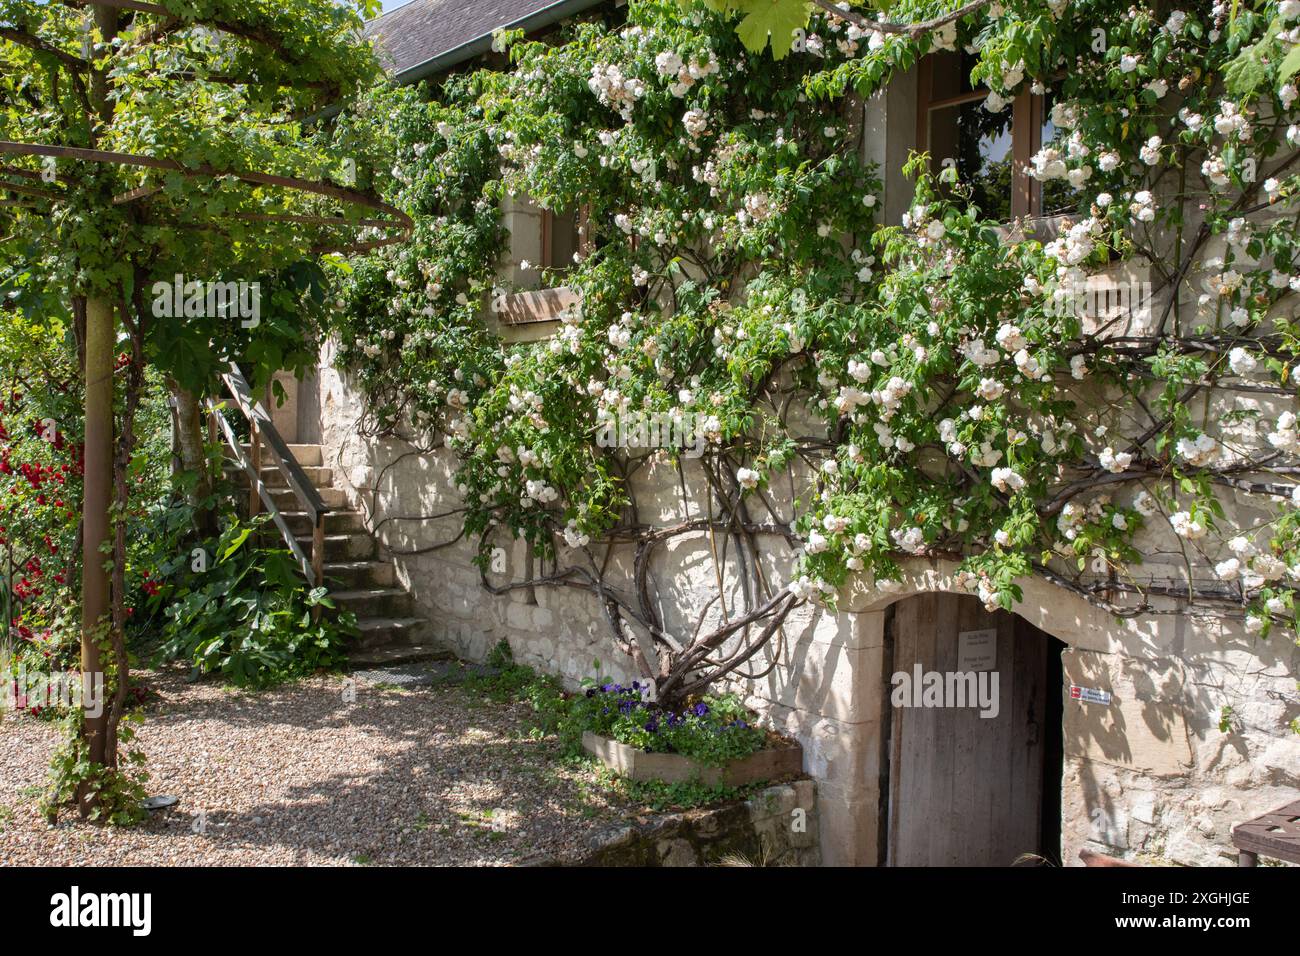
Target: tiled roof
(412,35)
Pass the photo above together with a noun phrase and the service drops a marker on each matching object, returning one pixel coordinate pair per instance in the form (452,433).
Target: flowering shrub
(736,269)
(40,498)
(40,489)
(713,730)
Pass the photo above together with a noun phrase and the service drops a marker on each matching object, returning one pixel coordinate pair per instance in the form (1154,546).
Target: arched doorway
(972,736)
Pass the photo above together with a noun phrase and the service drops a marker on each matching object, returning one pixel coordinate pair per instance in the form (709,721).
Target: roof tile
(424,29)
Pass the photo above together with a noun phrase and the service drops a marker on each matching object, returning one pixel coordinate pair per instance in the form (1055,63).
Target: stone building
(1107,735)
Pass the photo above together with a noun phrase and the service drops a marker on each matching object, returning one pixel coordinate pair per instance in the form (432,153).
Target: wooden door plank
(986,793)
(925,770)
(904,636)
(1031,705)
(947,784)
(1006,745)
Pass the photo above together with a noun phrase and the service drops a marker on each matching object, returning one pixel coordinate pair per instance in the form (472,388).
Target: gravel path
(430,776)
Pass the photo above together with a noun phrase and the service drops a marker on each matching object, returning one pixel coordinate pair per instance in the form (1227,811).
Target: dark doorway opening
(972,772)
(1054,749)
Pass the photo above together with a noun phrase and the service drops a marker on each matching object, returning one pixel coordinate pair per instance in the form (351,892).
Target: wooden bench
(1275,834)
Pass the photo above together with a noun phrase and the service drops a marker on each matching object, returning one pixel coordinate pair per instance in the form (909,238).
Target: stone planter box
(768,764)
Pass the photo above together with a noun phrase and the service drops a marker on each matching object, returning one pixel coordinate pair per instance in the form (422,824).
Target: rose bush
(735,271)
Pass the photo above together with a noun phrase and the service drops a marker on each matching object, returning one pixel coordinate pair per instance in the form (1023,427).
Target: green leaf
(1248,71)
(775,18)
(1289,67)
(236,543)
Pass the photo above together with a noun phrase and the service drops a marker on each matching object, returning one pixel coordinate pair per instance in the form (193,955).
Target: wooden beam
(544,305)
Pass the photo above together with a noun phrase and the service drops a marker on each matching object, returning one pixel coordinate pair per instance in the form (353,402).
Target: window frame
(582,235)
(1026,134)
(530,315)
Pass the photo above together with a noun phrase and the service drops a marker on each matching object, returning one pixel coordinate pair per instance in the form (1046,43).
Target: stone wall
(1150,776)
(775,827)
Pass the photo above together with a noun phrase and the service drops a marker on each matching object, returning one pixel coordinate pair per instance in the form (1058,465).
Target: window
(989,150)
(547,241)
(563,236)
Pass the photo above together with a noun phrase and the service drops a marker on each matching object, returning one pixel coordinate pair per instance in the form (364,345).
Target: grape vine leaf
(777,19)
(1289,67)
(1248,72)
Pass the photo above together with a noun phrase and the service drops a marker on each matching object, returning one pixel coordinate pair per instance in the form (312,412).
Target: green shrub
(116,793)
(662,797)
(714,729)
(250,617)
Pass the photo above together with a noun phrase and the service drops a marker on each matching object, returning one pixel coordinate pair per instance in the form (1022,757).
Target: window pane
(564,241)
(1058,196)
(979,143)
(950,75)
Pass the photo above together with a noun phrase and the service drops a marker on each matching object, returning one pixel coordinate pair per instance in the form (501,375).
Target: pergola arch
(397,219)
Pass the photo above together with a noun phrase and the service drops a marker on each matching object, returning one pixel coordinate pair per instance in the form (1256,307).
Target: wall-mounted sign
(1089,694)
(977,650)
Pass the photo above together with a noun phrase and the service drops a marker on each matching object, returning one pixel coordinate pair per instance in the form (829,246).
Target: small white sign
(977,650)
(1089,694)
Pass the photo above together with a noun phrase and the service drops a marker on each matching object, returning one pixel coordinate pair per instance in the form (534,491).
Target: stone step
(307,455)
(340,547)
(286,500)
(368,603)
(391,631)
(353,575)
(389,634)
(273,478)
(336,522)
(396,655)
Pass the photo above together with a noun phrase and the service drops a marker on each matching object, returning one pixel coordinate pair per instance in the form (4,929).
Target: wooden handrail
(260,490)
(258,417)
(264,435)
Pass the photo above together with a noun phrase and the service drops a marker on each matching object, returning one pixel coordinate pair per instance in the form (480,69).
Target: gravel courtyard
(431,776)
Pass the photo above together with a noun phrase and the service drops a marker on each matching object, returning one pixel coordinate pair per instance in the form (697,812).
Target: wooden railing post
(255,454)
(318,550)
(318,558)
(263,436)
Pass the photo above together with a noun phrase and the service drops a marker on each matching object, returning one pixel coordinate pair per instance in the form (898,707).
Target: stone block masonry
(776,827)
(1150,776)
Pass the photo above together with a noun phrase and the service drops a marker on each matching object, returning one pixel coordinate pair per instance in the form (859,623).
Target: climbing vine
(865,390)
(146,144)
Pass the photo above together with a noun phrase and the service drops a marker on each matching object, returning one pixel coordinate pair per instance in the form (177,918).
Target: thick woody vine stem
(879,390)
(910,30)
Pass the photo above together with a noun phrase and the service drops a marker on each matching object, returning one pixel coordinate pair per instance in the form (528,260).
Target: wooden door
(966,790)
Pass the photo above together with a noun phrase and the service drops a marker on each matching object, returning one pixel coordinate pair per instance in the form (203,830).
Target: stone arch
(1063,614)
(1144,736)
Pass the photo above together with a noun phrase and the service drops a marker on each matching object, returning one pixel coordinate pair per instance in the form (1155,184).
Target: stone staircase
(360,579)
